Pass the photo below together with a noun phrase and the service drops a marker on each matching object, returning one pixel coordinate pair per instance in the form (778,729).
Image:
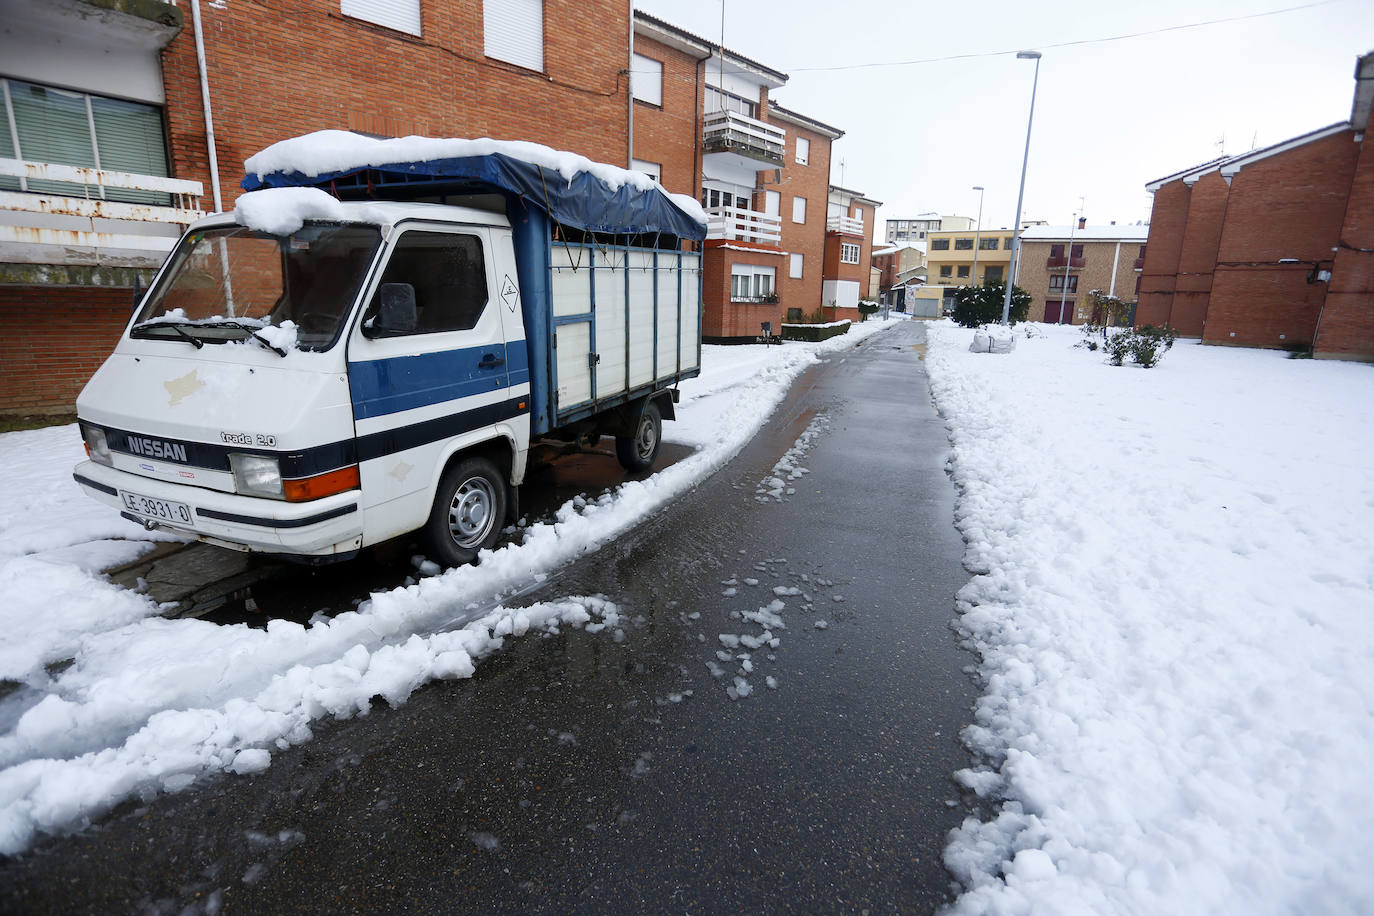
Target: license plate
(160,509)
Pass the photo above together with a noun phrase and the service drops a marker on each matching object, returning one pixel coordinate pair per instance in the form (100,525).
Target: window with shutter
(72,128)
(646,80)
(514,31)
(401,15)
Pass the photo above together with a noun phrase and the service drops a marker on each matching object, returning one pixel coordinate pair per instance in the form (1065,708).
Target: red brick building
(848,252)
(109,98)
(555,73)
(1271,248)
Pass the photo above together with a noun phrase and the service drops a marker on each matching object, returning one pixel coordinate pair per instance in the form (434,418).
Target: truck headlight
(256,475)
(96,446)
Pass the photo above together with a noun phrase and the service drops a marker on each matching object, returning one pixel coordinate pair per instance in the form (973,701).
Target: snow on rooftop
(1087,233)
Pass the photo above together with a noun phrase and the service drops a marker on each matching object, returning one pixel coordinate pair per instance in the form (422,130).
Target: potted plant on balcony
(771,299)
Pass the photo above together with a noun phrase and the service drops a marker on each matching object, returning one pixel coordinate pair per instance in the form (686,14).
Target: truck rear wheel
(639,452)
(468,509)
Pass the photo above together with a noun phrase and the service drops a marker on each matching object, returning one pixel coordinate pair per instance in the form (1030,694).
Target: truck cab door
(427,368)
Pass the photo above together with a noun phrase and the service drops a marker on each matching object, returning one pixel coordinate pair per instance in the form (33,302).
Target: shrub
(975,306)
(1145,346)
(866,309)
(1149,344)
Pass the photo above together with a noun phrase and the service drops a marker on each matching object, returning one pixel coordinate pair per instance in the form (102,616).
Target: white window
(401,15)
(803,150)
(45,124)
(646,79)
(799,209)
(849,254)
(749,283)
(796,271)
(652,169)
(514,31)
(772,203)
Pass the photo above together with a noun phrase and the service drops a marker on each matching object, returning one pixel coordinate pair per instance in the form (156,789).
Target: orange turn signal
(308,488)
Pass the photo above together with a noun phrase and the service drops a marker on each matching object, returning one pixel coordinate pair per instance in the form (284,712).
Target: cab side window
(448,274)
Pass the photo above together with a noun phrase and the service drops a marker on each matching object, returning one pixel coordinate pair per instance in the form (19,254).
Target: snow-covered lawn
(150,704)
(1174,608)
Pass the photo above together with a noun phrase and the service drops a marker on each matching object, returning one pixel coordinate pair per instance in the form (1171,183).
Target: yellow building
(951,257)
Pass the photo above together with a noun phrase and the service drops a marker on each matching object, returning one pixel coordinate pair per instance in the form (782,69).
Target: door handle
(490,361)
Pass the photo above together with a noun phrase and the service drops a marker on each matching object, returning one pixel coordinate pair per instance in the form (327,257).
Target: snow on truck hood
(328,152)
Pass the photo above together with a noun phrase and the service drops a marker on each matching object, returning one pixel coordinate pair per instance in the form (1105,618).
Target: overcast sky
(1109,116)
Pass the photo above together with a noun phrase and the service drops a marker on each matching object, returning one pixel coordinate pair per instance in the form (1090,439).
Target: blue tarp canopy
(587,203)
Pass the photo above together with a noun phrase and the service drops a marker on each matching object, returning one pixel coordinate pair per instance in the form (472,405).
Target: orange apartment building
(106,150)
(764,176)
(848,252)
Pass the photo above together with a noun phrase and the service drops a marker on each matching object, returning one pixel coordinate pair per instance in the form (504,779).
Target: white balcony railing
(731,132)
(743,225)
(854,225)
(78,225)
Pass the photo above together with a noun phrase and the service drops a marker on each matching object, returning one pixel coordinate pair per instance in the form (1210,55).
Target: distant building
(914,230)
(899,268)
(848,252)
(950,257)
(1060,265)
(1271,248)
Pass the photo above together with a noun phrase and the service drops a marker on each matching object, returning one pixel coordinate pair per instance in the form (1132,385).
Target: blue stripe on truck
(386,386)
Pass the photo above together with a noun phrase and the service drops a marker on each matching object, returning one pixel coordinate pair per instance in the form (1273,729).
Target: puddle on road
(227,586)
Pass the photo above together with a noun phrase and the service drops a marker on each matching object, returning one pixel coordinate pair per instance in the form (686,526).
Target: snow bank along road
(148,704)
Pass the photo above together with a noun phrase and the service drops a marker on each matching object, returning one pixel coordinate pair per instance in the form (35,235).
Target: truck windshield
(285,291)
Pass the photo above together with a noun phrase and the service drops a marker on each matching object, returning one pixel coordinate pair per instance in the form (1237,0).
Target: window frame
(381,13)
(394,248)
(846,248)
(939,244)
(752,274)
(796,265)
(799,201)
(513,22)
(639,68)
(963,244)
(800,157)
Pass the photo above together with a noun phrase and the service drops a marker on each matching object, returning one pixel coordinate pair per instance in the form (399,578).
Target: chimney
(1082,222)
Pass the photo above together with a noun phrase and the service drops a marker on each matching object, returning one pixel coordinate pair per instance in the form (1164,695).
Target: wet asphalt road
(575,773)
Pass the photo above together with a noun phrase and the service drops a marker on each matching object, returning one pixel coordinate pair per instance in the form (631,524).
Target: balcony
(749,142)
(1061,263)
(850,225)
(81,226)
(743,225)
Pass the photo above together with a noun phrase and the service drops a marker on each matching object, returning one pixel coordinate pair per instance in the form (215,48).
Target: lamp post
(1020,195)
(977,234)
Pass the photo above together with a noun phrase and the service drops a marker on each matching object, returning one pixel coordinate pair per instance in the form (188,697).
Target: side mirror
(396,311)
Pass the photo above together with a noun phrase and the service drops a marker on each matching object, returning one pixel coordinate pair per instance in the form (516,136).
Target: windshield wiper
(195,341)
(251,332)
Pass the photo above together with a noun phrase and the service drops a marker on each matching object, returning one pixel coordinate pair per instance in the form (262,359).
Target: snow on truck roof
(572,189)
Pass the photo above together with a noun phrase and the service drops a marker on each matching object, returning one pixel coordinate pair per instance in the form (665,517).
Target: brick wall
(54,340)
(277,71)
(1289,206)
(1347,319)
(670,134)
(811,181)
(1096,273)
(1168,217)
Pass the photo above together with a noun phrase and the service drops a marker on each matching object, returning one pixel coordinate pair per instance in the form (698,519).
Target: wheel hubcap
(470,517)
(646,439)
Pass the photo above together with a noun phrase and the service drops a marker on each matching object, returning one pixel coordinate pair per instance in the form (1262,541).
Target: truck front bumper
(320,528)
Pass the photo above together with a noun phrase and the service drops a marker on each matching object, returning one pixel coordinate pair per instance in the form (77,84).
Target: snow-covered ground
(150,704)
(1174,608)
(1172,600)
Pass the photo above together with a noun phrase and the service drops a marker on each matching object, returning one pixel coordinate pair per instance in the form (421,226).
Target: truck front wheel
(468,508)
(638,453)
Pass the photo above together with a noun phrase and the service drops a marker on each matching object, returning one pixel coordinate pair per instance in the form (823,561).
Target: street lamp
(977,234)
(1016,220)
